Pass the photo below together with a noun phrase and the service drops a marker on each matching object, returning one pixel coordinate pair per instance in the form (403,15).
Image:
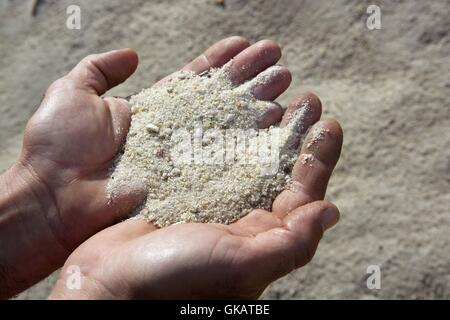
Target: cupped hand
(70,143)
(54,197)
(134,259)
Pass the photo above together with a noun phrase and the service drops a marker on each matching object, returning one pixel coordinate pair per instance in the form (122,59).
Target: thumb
(306,225)
(103,71)
(281,250)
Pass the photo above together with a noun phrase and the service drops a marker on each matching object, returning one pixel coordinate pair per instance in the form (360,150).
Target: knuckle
(57,85)
(89,59)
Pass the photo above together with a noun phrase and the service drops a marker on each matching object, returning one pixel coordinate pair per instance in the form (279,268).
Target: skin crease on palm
(134,259)
(70,143)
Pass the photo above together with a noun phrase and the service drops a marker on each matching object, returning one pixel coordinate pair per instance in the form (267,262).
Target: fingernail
(329,218)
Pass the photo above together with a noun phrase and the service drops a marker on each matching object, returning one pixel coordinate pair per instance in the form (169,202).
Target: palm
(198,260)
(180,254)
(74,130)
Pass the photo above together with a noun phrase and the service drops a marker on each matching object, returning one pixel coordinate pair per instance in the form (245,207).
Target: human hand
(54,196)
(134,259)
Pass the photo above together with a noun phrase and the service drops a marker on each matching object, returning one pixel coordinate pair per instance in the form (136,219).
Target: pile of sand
(195,144)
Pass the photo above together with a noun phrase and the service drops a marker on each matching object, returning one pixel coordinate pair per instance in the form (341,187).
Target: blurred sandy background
(389,88)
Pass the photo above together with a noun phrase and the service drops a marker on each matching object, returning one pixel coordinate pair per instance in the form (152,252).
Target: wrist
(30,248)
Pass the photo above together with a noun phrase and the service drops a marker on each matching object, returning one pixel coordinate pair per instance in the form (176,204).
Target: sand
(389,89)
(194,142)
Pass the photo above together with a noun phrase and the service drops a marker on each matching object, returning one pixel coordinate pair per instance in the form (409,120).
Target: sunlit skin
(68,146)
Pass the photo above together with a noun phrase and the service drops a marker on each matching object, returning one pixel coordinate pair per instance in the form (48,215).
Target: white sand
(195,144)
(389,88)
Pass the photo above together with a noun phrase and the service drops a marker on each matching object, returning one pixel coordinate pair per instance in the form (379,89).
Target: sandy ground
(389,88)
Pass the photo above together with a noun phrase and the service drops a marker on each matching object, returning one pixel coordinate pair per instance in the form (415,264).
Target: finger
(122,199)
(104,208)
(271,116)
(302,113)
(101,72)
(276,252)
(312,105)
(218,54)
(318,157)
(253,60)
(121,118)
(214,57)
(271,83)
